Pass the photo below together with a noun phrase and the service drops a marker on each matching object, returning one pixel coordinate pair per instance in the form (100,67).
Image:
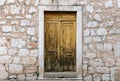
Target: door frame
(78,10)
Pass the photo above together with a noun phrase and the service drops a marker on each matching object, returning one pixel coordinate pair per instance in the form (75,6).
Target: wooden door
(60,42)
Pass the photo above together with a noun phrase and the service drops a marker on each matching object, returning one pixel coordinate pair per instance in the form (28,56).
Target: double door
(60,42)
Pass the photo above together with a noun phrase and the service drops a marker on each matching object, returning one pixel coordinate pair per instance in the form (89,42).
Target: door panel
(68,45)
(51,45)
(60,42)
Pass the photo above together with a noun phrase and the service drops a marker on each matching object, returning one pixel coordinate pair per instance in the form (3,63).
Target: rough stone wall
(19,39)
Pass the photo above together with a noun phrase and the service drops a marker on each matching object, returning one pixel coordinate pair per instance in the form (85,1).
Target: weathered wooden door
(60,41)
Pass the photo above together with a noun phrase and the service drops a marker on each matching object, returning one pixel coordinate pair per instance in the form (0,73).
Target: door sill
(57,75)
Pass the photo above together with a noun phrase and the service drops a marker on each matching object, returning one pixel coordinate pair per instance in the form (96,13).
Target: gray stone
(101,31)
(25,22)
(98,62)
(31,31)
(23,52)
(88,40)
(118,3)
(97,39)
(10,1)
(14,9)
(96,77)
(31,77)
(5,59)
(102,70)
(97,17)
(16,60)
(109,4)
(86,32)
(3,50)
(12,51)
(109,23)
(117,49)
(114,31)
(107,46)
(89,8)
(32,10)
(34,53)
(2,2)
(106,77)
(7,29)
(15,68)
(90,55)
(3,22)
(91,70)
(3,72)
(110,62)
(21,77)
(88,78)
(92,24)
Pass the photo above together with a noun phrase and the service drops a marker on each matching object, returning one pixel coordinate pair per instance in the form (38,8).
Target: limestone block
(109,4)
(32,10)
(3,72)
(88,78)
(14,9)
(25,22)
(14,22)
(12,51)
(118,3)
(110,62)
(3,50)
(32,76)
(2,2)
(18,43)
(31,31)
(10,1)
(115,74)
(102,70)
(30,69)
(16,60)
(98,62)
(12,76)
(15,68)
(117,61)
(85,69)
(32,45)
(92,24)
(114,31)
(107,46)
(109,23)
(5,59)
(101,31)
(28,60)
(3,22)
(117,49)
(99,46)
(3,40)
(97,17)
(34,39)
(23,52)
(28,16)
(87,40)
(34,53)
(90,55)
(106,77)
(97,39)
(21,77)
(91,70)
(89,8)
(92,32)
(86,32)
(96,77)
(6,29)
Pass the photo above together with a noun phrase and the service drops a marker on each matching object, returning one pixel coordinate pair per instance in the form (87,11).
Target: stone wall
(19,39)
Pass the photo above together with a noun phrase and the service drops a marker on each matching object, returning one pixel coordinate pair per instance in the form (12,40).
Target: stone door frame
(78,10)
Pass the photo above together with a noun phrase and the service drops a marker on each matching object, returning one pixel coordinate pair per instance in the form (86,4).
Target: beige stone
(3,72)
(5,59)
(30,69)
(28,60)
